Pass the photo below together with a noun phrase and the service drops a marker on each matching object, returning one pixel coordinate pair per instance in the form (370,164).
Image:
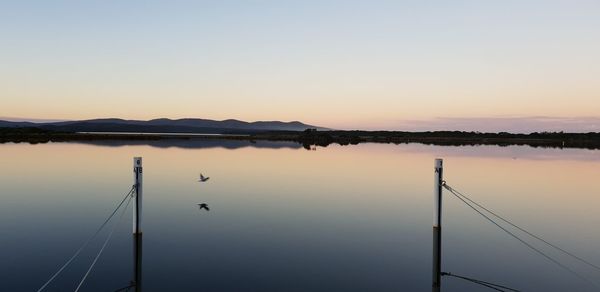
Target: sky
(341,64)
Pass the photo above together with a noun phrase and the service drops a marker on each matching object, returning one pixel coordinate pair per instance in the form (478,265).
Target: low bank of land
(311,137)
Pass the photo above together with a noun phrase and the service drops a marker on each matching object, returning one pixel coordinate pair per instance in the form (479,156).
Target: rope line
(114,227)
(525,231)
(522,241)
(493,286)
(86,243)
(126,288)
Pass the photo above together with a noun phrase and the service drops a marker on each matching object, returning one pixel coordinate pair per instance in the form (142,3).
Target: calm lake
(282,218)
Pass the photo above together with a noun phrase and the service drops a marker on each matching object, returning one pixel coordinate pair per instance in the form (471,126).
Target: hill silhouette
(163,125)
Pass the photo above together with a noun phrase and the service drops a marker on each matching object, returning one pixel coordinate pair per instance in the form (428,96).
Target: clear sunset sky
(343,64)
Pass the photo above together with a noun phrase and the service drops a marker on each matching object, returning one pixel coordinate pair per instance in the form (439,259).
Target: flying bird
(203,206)
(203,178)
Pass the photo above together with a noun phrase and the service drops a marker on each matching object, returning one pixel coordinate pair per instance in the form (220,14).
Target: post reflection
(136,284)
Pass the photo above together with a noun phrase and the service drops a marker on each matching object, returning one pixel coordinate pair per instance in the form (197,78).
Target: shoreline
(325,138)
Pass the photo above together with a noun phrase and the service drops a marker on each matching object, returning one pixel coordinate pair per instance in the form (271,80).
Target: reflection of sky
(354,218)
(507,152)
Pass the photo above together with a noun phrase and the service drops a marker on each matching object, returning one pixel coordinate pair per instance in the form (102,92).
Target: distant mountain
(166,126)
(7,124)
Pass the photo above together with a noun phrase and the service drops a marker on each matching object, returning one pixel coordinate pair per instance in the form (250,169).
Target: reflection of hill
(194,143)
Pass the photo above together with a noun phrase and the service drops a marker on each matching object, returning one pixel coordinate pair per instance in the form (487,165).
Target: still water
(282,218)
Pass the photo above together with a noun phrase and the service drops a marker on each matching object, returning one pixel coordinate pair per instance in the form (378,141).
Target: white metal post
(137,202)
(437,225)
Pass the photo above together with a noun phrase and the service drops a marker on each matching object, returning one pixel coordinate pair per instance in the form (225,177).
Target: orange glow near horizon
(363,66)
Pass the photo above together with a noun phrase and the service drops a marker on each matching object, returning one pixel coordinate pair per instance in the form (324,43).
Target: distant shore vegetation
(313,137)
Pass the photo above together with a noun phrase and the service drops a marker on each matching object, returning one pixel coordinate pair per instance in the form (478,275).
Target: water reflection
(354,218)
(194,143)
(507,152)
(137,281)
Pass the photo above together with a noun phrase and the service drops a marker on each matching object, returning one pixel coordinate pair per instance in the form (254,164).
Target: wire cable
(525,231)
(87,242)
(114,227)
(523,241)
(126,288)
(493,286)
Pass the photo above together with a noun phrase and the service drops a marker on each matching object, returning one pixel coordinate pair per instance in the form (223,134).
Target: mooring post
(137,224)
(437,225)
(137,202)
